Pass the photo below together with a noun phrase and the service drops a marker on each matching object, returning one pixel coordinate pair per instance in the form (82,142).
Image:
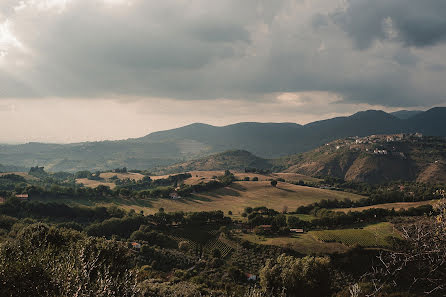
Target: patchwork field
(197,177)
(233,198)
(243,194)
(94,183)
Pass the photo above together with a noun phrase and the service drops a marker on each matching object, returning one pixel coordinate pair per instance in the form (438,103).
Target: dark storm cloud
(244,50)
(415,23)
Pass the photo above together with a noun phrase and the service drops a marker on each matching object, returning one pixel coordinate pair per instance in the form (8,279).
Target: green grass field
(371,236)
(329,241)
(302,243)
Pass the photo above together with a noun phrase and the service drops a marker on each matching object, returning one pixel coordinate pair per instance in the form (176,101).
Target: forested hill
(233,160)
(266,140)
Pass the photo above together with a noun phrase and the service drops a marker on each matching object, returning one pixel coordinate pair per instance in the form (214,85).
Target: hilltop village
(378,144)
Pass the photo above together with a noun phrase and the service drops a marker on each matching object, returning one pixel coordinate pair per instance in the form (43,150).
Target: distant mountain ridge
(270,140)
(405,114)
(265,140)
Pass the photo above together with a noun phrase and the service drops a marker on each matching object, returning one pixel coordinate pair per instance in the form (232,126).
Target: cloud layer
(384,52)
(412,22)
(201,50)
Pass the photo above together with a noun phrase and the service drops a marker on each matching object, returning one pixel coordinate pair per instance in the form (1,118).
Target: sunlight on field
(302,243)
(371,236)
(396,206)
(233,198)
(248,193)
(94,183)
(129,175)
(330,241)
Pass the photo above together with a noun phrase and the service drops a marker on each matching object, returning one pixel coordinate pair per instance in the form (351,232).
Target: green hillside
(233,160)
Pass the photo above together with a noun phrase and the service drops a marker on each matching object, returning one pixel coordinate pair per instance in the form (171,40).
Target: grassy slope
(371,236)
(233,160)
(330,241)
(240,195)
(235,197)
(302,243)
(106,179)
(424,161)
(197,177)
(396,206)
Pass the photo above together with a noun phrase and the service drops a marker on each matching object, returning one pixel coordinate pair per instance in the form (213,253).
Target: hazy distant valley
(265,140)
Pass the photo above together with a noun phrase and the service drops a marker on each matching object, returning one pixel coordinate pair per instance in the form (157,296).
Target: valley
(232,213)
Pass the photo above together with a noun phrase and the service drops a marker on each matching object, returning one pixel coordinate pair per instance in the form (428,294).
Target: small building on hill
(136,246)
(22,196)
(251,277)
(297,230)
(265,227)
(174,195)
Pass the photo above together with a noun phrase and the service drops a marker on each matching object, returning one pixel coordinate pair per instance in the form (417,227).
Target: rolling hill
(266,140)
(375,159)
(235,198)
(232,160)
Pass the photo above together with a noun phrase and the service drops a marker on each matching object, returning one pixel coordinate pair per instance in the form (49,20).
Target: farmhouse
(136,246)
(297,230)
(251,277)
(265,227)
(174,195)
(22,196)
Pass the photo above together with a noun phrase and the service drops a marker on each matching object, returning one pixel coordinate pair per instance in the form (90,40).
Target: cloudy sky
(74,70)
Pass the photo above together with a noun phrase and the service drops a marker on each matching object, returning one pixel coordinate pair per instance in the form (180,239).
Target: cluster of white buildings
(387,138)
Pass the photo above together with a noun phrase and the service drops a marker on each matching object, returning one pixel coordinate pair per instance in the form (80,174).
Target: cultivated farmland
(371,236)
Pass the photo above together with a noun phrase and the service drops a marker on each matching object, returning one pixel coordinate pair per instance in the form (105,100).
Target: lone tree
(274,183)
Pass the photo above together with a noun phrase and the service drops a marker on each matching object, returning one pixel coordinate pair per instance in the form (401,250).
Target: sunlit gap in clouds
(7,39)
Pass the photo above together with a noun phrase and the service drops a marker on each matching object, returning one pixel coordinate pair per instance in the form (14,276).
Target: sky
(87,70)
